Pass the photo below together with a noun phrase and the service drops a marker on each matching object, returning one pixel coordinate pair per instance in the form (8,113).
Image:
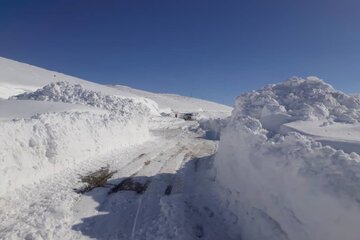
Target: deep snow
(280,171)
(65,124)
(54,121)
(285,185)
(56,127)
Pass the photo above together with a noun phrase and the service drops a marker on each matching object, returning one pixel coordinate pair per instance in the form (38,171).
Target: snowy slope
(17,78)
(274,173)
(177,103)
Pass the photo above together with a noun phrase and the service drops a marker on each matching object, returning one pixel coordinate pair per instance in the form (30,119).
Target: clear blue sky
(208,49)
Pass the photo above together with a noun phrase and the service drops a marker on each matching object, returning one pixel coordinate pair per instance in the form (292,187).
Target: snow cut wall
(39,146)
(287,186)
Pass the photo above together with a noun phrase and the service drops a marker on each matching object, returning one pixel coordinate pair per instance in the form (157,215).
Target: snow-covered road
(51,209)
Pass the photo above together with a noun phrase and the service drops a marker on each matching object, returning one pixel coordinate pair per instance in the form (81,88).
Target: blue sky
(208,49)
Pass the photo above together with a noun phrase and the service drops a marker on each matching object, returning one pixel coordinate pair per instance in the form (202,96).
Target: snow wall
(288,186)
(44,144)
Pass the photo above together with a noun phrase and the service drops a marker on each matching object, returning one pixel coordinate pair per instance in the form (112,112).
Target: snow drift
(35,147)
(289,186)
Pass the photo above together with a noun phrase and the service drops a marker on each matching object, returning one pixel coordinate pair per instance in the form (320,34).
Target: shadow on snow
(173,206)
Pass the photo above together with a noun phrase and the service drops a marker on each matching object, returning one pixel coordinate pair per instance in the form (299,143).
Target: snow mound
(288,186)
(75,93)
(299,99)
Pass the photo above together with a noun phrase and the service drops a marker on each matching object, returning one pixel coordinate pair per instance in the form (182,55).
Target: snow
(176,103)
(300,99)
(341,136)
(47,143)
(280,181)
(213,127)
(287,165)
(17,78)
(63,125)
(69,93)
(50,209)
(55,128)
(17,109)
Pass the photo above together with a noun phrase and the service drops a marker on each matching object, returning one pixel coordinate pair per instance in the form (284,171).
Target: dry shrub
(95,179)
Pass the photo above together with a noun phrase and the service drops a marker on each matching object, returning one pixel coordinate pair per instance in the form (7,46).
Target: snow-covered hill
(17,78)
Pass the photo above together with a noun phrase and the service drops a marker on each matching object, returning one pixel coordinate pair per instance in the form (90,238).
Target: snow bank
(288,186)
(299,99)
(36,147)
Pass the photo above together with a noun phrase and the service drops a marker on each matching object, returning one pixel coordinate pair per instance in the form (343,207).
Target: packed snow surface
(287,185)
